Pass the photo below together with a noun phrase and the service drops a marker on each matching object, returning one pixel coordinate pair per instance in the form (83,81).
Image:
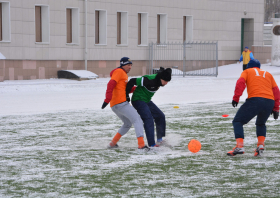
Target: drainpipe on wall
(85,34)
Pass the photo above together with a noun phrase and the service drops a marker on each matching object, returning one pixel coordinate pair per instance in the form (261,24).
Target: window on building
(5,24)
(187,28)
(42,24)
(161,28)
(100,27)
(122,28)
(142,28)
(72,25)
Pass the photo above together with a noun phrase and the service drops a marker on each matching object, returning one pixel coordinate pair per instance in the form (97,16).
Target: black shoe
(144,148)
(112,147)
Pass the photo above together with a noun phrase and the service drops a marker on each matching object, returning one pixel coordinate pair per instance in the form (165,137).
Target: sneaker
(144,148)
(235,151)
(111,146)
(259,151)
(156,145)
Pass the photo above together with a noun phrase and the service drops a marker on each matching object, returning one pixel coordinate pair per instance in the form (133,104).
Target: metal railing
(185,59)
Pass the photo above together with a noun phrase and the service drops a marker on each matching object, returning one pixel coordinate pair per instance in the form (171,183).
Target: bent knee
(128,126)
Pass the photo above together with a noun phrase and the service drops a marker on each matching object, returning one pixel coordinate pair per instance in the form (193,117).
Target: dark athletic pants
(150,113)
(260,107)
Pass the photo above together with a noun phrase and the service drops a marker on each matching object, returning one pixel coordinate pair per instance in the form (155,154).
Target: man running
(116,96)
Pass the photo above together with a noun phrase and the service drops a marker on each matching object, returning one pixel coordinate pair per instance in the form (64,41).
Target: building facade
(40,37)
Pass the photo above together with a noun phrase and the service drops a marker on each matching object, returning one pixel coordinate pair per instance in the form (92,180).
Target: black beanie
(165,74)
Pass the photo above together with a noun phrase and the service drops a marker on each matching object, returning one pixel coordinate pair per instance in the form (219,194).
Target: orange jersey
(119,93)
(259,83)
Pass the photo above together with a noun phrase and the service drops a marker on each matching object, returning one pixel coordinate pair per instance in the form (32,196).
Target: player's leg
(266,108)
(159,118)
(123,130)
(246,112)
(130,117)
(146,115)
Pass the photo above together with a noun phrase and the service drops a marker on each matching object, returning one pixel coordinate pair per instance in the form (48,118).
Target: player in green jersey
(141,100)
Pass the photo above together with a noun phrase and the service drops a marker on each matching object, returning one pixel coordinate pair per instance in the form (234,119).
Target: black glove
(104,105)
(127,98)
(234,103)
(275,114)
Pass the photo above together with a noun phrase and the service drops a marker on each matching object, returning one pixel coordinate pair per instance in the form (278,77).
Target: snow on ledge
(2,56)
(76,74)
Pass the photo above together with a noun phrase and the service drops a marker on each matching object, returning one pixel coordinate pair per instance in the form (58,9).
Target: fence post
(184,58)
(152,58)
(216,58)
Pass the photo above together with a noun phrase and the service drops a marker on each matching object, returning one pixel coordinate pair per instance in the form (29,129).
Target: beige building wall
(213,20)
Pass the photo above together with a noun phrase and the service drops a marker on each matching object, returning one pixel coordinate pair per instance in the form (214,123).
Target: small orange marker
(225,115)
(175,107)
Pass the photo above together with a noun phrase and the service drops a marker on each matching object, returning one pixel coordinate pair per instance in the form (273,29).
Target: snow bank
(53,95)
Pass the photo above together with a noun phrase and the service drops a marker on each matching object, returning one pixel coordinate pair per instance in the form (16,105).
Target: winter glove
(275,114)
(234,104)
(104,105)
(127,98)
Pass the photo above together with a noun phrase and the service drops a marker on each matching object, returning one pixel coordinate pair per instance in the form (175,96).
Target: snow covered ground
(53,138)
(42,96)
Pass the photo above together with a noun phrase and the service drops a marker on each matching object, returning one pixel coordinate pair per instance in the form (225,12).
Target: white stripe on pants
(130,117)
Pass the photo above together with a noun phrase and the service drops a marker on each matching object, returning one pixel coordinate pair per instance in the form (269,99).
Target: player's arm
(109,92)
(276,94)
(241,58)
(130,87)
(251,56)
(147,83)
(239,88)
(275,110)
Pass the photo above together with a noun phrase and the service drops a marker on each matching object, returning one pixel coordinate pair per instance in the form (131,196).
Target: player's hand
(127,98)
(275,114)
(104,105)
(234,103)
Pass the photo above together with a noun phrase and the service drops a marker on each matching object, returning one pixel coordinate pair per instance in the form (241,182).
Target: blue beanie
(246,47)
(254,63)
(125,61)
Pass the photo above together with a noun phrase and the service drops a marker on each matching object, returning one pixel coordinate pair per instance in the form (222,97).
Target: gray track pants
(130,117)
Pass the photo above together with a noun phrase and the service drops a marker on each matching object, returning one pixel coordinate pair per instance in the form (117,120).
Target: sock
(115,139)
(159,140)
(239,142)
(141,142)
(261,140)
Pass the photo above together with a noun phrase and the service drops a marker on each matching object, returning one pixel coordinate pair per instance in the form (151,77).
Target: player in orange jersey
(116,96)
(263,100)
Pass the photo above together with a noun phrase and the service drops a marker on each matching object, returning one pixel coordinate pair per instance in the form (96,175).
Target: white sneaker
(259,151)
(236,151)
(144,149)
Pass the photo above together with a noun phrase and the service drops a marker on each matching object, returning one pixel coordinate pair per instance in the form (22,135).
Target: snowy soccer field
(54,135)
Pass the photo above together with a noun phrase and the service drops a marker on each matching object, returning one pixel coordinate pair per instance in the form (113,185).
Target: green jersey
(146,88)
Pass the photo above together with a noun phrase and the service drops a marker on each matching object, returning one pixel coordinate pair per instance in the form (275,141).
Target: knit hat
(246,47)
(165,74)
(125,61)
(254,63)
